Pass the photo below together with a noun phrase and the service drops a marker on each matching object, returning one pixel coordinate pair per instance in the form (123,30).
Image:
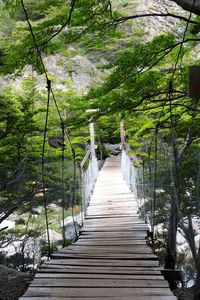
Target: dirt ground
(13,284)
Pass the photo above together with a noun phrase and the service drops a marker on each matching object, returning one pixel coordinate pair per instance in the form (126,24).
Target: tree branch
(189,6)
(124,19)
(132,17)
(26,198)
(63,26)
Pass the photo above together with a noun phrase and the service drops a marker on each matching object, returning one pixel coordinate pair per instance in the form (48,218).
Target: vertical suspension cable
(143,181)
(174,162)
(155,177)
(62,185)
(80,192)
(173,146)
(65,132)
(46,122)
(43,167)
(100,146)
(174,172)
(74,191)
(74,161)
(50,91)
(150,180)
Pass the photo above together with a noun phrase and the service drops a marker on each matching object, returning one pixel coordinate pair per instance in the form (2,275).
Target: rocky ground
(183,294)
(13,284)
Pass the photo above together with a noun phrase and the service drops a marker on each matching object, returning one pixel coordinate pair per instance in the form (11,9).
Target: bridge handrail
(88,178)
(130,175)
(129,172)
(85,158)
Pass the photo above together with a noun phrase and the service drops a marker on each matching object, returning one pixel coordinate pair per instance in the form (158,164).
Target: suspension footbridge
(110,259)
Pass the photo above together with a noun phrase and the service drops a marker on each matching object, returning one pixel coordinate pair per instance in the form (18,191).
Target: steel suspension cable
(172,125)
(155,177)
(150,180)
(48,81)
(143,180)
(74,193)
(73,158)
(62,185)
(43,169)
(50,92)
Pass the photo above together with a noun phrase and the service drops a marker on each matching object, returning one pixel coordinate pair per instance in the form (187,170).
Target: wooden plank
(107,238)
(96,292)
(115,229)
(138,249)
(114,222)
(102,256)
(108,248)
(103,282)
(113,234)
(100,270)
(117,233)
(124,201)
(110,242)
(105,262)
(109,214)
(110,238)
(120,217)
(137,297)
(102,276)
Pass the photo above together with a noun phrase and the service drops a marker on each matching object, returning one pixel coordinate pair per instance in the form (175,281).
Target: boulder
(13,283)
(53,235)
(73,226)
(115,149)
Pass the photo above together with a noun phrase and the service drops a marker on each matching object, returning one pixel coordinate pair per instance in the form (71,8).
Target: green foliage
(47,18)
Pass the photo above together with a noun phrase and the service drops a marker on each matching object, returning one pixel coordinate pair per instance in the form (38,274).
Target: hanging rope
(74,192)
(43,168)
(50,92)
(150,180)
(175,210)
(74,162)
(62,185)
(155,178)
(172,123)
(143,180)
(81,192)
(100,145)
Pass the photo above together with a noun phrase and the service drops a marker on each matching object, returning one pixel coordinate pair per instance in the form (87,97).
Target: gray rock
(73,226)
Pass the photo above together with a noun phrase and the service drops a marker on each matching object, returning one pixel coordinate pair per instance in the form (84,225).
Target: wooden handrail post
(92,140)
(122,135)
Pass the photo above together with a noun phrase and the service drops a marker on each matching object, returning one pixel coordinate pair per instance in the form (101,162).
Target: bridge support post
(92,140)
(122,135)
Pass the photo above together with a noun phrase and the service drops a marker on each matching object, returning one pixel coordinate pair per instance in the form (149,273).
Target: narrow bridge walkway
(110,260)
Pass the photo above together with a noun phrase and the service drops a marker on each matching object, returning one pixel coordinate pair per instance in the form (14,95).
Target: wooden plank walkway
(110,260)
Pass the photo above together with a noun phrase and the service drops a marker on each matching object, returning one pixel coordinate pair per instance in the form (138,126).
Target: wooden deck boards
(110,260)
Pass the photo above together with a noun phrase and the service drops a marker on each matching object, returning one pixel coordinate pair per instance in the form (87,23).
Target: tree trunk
(190,5)
(171,240)
(170,261)
(189,234)
(197,283)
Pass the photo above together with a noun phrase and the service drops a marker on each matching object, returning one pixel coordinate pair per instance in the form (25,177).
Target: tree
(192,6)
